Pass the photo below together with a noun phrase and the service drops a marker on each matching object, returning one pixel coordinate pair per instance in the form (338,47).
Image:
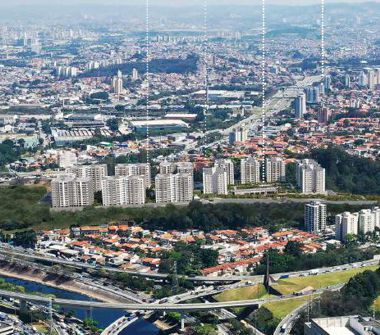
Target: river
(103,316)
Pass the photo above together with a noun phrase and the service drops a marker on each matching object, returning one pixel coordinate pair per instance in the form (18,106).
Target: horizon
(177,3)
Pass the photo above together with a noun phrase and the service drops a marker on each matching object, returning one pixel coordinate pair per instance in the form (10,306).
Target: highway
(280,101)
(119,325)
(287,200)
(287,323)
(150,307)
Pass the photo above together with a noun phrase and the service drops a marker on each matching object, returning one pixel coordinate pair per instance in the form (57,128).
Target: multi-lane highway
(278,102)
(165,307)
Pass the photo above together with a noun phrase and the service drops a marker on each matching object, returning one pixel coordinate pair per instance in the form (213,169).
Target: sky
(171,2)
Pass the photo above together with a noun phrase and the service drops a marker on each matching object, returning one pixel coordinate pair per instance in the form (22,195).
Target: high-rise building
(371,80)
(183,187)
(346,224)
(238,135)
(119,191)
(250,171)
(112,191)
(300,106)
(185,167)
(167,167)
(117,84)
(135,74)
(366,221)
(139,169)
(377,75)
(347,81)
(312,95)
(164,187)
(275,170)
(174,188)
(376,214)
(315,217)
(324,115)
(95,172)
(310,177)
(363,79)
(215,181)
(327,83)
(228,166)
(70,191)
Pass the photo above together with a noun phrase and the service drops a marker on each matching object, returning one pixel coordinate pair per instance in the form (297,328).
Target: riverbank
(56,281)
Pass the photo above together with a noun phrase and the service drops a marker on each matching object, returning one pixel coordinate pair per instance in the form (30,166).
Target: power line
(205,59)
(323,49)
(263,67)
(147,69)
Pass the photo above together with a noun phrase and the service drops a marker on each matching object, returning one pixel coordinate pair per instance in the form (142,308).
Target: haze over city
(201,170)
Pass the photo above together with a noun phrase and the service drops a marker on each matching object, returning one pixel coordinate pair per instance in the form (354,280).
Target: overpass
(164,307)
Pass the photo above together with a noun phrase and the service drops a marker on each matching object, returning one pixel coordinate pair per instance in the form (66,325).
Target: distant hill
(172,65)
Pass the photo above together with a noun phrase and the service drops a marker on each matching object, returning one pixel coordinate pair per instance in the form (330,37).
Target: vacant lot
(280,309)
(291,285)
(243,293)
(376,305)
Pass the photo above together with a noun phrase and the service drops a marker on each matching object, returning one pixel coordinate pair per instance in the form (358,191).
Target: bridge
(164,307)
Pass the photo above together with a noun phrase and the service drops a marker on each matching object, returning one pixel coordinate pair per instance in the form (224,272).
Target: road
(288,200)
(151,307)
(287,323)
(276,103)
(119,325)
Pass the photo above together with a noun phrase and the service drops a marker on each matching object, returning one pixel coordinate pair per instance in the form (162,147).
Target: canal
(103,316)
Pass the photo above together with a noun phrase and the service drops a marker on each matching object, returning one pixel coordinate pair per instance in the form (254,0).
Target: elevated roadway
(165,307)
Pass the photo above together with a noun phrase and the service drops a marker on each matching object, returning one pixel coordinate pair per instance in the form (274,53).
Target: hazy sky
(169,2)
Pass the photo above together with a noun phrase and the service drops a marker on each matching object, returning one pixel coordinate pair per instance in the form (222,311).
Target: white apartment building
(366,221)
(167,167)
(346,224)
(95,172)
(164,187)
(185,167)
(250,171)
(275,170)
(311,177)
(315,217)
(174,188)
(117,83)
(183,187)
(239,135)
(363,222)
(215,181)
(228,166)
(300,106)
(140,169)
(71,191)
(119,191)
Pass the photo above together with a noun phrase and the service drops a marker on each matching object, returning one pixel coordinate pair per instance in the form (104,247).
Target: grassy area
(280,309)
(376,305)
(243,293)
(43,328)
(291,285)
